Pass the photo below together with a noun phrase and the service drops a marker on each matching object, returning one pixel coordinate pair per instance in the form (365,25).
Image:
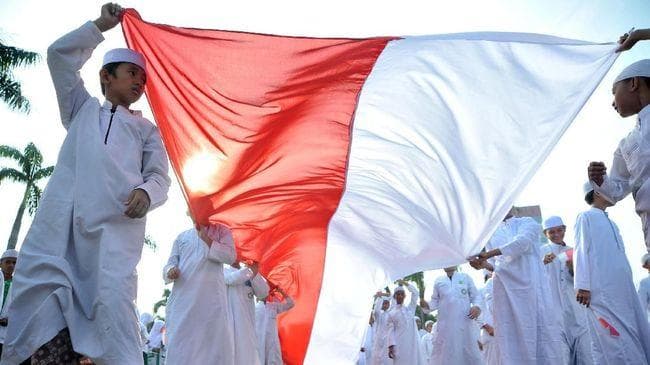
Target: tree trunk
(13,238)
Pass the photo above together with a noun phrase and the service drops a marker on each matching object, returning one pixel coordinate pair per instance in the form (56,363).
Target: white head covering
(398,288)
(637,69)
(645,258)
(9,253)
(124,55)
(145,318)
(553,221)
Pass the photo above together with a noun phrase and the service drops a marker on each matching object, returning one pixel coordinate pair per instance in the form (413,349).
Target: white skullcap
(553,221)
(9,253)
(645,258)
(145,318)
(637,69)
(124,55)
(427,323)
(398,288)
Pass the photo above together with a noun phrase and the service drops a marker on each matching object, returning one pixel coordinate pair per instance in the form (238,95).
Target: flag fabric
(342,164)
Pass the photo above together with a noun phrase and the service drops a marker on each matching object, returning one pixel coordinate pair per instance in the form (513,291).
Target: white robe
(5,309)
(600,266)
(403,332)
(156,335)
(242,288)
(644,295)
(525,331)
(266,327)
(76,267)
(630,171)
(198,330)
(381,329)
(453,299)
(574,316)
(426,344)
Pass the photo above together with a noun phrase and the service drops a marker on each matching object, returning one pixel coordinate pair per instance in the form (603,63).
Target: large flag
(343,164)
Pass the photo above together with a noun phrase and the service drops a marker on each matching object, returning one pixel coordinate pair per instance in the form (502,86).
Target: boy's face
(385,305)
(626,101)
(399,296)
(555,234)
(429,327)
(127,86)
(8,265)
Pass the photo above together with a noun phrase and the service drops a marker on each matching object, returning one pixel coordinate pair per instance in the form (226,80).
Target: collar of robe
(120,109)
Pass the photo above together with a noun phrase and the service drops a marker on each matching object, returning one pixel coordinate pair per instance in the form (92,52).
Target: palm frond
(12,174)
(33,159)
(43,173)
(11,57)
(12,153)
(33,197)
(11,93)
(149,242)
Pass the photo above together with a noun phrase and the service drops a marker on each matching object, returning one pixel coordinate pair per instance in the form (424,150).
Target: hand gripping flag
(341,164)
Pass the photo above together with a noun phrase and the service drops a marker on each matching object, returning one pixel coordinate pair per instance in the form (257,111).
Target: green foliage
(28,172)
(149,242)
(161,303)
(10,89)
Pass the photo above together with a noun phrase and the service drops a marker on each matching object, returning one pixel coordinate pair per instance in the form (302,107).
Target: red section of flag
(257,129)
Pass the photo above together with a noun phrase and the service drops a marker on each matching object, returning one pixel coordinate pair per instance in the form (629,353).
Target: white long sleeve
(581,262)
(527,235)
(222,249)
(616,184)
(65,57)
(237,277)
(260,286)
(172,261)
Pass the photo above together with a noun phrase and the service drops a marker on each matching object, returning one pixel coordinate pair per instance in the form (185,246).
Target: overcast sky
(594,135)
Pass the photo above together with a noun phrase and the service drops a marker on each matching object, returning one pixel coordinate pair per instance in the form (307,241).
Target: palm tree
(10,90)
(28,173)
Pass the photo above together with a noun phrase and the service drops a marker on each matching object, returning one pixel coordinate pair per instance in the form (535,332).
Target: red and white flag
(343,164)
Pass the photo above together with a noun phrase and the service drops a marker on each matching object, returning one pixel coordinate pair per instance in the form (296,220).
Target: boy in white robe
(457,301)
(403,339)
(381,329)
(75,281)
(198,329)
(266,327)
(426,341)
(525,331)
(630,168)
(7,264)
(574,320)
(243,285)
(603,281)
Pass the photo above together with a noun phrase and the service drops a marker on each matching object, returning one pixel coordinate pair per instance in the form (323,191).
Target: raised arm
(222,248)
(260,286)
(234,277)
(527,235)
(616,184)
(415,296)
(68,54)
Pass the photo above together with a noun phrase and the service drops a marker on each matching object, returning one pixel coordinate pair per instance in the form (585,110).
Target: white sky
(594,135)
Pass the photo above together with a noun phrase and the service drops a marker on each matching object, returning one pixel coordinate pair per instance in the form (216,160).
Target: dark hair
(646,80)
(589,197)
(111,68)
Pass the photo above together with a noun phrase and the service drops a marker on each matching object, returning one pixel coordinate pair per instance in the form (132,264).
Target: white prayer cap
(553,221)
(645,258)
(637,69)
(124,55)
(11,253)
(145,318)
(398,288)
(586,188)
(427,323)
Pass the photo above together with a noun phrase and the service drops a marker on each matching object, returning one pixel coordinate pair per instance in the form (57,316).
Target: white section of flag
(448,130)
